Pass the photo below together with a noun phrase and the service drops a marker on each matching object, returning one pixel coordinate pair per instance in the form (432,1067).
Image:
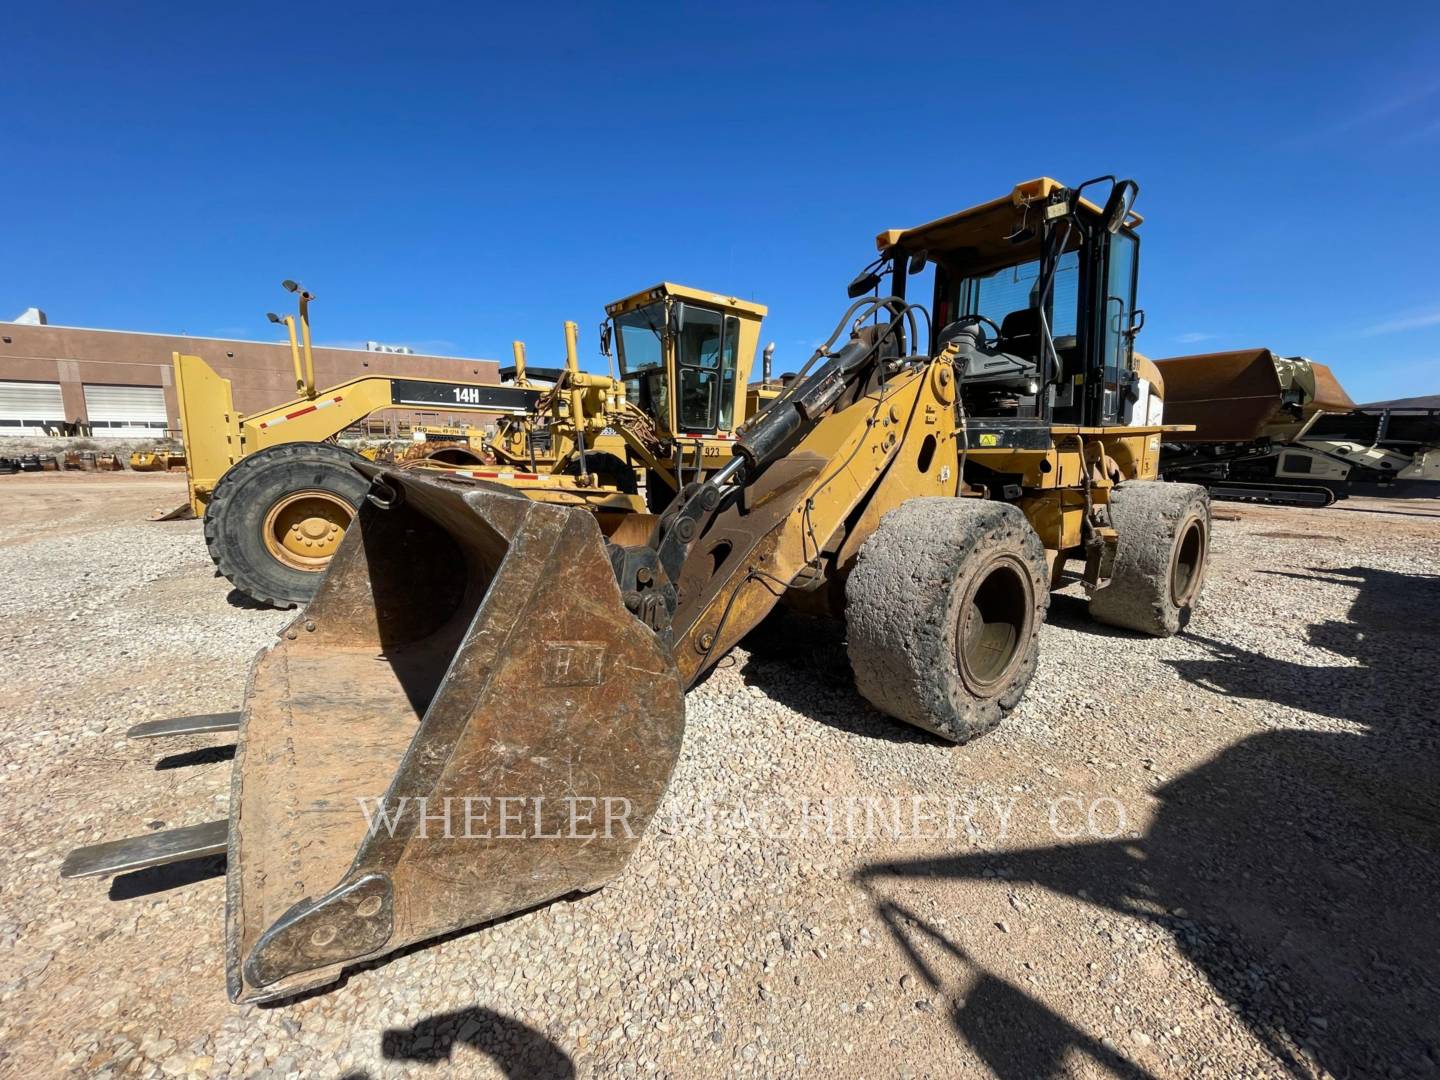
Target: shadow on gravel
(1297,870)
(1012,1032)
(799,661)
(163,878)
(517,1049)
(236,598)
(206,755)
(1073,613)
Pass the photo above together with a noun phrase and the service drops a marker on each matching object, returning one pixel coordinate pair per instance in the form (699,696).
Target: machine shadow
(175,875)
(206,755)
(237,599)
(799,661)
(517,1049)
(1296,869)
(1015,1034)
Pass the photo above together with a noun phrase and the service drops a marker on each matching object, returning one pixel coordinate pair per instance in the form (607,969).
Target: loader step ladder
(153,849)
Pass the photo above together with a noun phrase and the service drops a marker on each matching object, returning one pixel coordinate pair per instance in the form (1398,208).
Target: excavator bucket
(464,723)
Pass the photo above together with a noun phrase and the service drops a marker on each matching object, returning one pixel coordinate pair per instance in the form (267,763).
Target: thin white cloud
(1192,337)
(1398,103)
(1414,320)
(1422,134)
(1370,117)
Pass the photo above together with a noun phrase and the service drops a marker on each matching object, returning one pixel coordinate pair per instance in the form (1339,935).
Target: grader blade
(464,723)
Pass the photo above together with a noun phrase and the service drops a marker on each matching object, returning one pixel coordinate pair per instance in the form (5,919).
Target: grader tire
(610,469)
(459,456)
(276,517)
(1160,563)
(943,611)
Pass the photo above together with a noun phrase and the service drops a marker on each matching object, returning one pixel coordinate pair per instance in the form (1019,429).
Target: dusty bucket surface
(465,722)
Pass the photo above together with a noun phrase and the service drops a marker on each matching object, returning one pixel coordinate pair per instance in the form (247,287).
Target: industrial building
(119,384)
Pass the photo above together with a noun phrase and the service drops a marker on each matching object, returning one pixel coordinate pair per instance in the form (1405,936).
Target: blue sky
(453,177)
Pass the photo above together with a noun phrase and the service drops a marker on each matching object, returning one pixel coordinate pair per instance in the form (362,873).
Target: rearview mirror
(917,263)
(605,338)
(1117,207)
(677,317)
(863,283)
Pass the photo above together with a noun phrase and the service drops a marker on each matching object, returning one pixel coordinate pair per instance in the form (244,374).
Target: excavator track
(1273,494)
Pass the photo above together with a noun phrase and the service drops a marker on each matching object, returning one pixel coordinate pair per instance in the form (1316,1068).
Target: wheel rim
(454,455)
(996,620)
(304,528)
(1188,563)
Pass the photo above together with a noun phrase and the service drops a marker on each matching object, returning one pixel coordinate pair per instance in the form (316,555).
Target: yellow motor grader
(277,493)
(480,709)
(667,418)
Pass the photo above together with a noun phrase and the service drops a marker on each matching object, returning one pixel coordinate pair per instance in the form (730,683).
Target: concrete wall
(261,374)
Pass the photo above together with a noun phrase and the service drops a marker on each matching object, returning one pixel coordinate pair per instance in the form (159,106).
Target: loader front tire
(1160,562)
(276,517)
(943,611)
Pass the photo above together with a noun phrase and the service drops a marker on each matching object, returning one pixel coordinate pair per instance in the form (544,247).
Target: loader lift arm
(660,581)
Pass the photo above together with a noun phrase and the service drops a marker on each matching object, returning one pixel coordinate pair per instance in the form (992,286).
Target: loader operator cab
(1035,298)
(685,357)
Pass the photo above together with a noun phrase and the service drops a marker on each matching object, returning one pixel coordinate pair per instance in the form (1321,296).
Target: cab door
(1117,315)
(706,346)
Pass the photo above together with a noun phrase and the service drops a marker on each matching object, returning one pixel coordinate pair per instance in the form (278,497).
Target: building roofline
(238,341)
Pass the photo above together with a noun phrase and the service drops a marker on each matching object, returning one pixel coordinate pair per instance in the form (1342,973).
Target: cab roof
(983,232)
(686,293)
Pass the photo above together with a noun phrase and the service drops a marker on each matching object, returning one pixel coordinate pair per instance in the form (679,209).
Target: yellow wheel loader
(480,709)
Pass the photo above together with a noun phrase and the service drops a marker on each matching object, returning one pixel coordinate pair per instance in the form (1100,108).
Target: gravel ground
(1211,855)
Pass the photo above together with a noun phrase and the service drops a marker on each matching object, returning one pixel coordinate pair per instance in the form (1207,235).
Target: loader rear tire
(276,517)
(943,610)
(1160,562)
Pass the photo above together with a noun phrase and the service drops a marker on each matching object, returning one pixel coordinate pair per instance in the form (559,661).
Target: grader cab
(670,413)
(480,709)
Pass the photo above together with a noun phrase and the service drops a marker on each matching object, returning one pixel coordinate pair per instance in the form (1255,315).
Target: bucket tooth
(186,725)
(150,849)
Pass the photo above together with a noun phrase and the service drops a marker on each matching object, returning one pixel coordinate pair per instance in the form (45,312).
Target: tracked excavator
(480,709)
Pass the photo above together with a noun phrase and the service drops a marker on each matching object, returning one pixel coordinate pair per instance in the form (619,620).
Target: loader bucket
(464,723)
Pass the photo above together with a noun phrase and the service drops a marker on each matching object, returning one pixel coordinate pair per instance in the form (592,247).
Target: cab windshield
(639,339)
(1008,298)
(638,334)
